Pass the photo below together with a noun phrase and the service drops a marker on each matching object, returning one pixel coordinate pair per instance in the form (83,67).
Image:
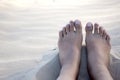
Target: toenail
(89,24)
(77,22)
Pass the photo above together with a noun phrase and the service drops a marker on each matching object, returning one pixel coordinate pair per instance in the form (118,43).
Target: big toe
(89,28)
(78,26)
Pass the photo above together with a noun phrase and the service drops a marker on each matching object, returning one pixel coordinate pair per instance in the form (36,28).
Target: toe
(96,28)
(67,28)
(100,31)
(71,26)
(89,27)
(64,31)
(108,38)
(104,34)
(61,34)
(78,26)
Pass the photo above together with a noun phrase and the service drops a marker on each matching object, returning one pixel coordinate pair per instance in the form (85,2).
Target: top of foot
(97,37)
(70,42)
(98,47)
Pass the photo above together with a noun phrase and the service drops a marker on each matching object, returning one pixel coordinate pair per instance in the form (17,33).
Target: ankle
(68,72)
(102,73)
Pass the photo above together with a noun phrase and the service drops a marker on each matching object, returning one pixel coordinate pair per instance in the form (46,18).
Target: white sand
(27,31)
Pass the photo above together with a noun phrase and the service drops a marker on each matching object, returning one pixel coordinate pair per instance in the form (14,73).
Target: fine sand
(29,34)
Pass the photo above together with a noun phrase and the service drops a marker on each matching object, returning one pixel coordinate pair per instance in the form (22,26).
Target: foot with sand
(70,42)
(98,47)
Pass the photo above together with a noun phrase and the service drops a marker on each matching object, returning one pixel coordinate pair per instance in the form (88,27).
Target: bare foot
(70,41)
(98,47)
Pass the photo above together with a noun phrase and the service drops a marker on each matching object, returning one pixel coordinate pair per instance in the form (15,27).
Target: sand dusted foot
(98,47)
(70,41)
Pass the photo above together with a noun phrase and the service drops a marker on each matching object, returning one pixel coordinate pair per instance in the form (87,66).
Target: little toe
(71,26)
(96,28)
(78,25)
(61,34)
(89,28)
(108,38)
(100,31)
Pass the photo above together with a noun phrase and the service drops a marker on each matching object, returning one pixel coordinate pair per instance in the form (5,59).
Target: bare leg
(70,41)
(98,47)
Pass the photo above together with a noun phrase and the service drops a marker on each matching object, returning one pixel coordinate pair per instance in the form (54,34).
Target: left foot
(70,41)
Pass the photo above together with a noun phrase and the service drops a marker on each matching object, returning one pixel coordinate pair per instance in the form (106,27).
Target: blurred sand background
(29,29)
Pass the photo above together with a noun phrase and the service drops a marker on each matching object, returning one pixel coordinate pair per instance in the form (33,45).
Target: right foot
(98,47)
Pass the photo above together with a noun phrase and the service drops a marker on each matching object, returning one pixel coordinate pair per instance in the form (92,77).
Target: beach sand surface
(29,34)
